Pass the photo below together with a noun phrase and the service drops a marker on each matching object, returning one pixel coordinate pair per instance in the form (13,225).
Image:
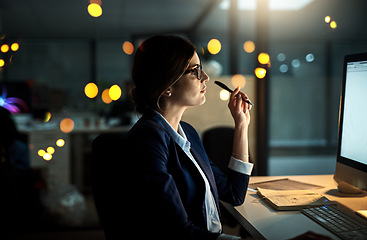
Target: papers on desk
(293,199)
(282,184)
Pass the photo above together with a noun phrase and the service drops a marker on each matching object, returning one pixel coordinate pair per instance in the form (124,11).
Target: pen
(222,85)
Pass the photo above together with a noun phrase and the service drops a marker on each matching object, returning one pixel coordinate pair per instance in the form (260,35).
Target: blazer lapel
(206,168)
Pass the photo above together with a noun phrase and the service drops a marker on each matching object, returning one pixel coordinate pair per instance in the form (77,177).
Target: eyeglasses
(197,70)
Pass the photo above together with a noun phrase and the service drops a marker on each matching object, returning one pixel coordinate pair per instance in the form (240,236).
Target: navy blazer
(166,191)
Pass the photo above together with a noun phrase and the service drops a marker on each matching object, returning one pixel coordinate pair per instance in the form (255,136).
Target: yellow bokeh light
(60,142)
(4,48)
(263,58)
(115,92)
(128,47)
(214,46)
(51,150)
(14,47)
(91,90)
(106,97)
(47,156)
(67,125)
(2,63)
(41,152)
(238,80)
(94,10)
(224,95)
(260,73)
(333,24)
(327,19)
(249,46)
(47,117)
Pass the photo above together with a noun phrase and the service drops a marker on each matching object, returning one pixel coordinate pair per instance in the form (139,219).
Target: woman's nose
(205,77)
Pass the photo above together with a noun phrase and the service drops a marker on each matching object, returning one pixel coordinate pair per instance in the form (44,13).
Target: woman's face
(189,90)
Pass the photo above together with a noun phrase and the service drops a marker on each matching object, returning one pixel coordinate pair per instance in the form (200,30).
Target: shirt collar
(178,136)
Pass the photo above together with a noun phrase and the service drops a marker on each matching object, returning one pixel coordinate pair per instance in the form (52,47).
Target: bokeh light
(238,80)
(60,142)
(14,47)
(224,95)
(249,46)
(296,63)
(41,152)
(91,90)
(310,57)
(263,58)
(128,47)
(281,57)
(66,125)
(115,92)
(283,68)
(214,46)
(47,156)
(94,10)
(47,117)
(106,96)
(2,62)
(260,73)
(50,150)
(4,48)
(333,24)
(327,19)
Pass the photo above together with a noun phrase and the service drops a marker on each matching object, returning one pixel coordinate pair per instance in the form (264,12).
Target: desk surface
(263,222)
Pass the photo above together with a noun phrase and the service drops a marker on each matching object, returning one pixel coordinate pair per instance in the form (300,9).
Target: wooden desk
(263,222)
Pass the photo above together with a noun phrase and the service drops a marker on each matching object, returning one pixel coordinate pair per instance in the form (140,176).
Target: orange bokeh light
(67,125)
(128,47)
(238,80)
(249,46)
(106,96)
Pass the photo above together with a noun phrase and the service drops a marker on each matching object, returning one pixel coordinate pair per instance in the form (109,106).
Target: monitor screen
(351,167)
(354,128)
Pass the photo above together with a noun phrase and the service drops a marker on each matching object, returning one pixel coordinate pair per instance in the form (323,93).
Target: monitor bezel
(347,161)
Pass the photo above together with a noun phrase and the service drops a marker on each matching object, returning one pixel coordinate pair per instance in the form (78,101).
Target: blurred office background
(71,72)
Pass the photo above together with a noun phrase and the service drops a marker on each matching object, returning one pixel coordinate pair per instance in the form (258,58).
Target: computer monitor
(351,165)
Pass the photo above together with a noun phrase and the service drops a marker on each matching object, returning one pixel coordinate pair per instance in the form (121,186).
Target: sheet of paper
(284,184)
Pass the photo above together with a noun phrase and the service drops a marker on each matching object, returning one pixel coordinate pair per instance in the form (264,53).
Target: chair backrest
(218,144)
(108,160)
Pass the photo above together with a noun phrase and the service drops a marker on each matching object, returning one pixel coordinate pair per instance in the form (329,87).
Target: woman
(175,188)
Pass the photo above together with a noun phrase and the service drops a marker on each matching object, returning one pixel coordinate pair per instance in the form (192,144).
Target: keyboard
(337,222)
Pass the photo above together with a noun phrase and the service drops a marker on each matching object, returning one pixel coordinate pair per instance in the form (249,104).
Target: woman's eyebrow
(195,65)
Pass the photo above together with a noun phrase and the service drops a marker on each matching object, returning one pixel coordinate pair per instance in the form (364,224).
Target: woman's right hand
(239,108)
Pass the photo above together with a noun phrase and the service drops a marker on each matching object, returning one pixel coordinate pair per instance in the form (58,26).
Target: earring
(169,94)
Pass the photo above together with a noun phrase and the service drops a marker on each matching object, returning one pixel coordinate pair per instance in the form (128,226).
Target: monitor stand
(344,187)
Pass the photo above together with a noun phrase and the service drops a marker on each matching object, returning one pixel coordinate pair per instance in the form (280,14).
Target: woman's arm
(241,116)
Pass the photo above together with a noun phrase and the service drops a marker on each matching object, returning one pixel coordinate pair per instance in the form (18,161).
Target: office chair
(108,171)
(218,144)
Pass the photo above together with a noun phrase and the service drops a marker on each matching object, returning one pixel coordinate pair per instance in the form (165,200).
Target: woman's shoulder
(148,126)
